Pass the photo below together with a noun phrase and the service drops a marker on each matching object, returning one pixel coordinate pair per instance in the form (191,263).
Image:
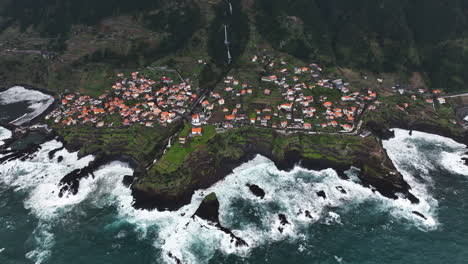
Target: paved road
(455,95)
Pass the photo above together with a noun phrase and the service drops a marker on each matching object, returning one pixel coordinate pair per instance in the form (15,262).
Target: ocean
(99,225)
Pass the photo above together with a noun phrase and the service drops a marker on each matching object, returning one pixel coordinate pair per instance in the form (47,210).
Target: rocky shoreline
(383,178)
(205,169)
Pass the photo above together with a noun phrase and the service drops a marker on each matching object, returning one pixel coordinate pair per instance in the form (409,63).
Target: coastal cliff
(212,162)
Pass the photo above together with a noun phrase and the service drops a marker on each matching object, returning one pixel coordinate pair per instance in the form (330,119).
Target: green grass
(176,155)
(142,143)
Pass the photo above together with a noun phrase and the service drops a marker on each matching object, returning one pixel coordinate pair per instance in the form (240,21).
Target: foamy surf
(419,154)
(37,102)
(39,177)
(4,134)
(255,220)
(289,193)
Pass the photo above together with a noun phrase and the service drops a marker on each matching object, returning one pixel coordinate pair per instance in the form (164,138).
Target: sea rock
(256,190)
(209,210)
(20,154)
(420,215)
(52,152)
(283,222)
(176,259)
(322,194)
(341,189)
(128,180)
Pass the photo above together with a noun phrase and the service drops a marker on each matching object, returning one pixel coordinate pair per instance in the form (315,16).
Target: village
(287,97)
(295,98)
(134,100)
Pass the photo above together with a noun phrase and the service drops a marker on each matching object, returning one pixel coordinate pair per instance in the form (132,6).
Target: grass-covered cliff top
(225,149)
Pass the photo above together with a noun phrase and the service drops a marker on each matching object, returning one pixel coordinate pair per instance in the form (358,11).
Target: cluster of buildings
(422,94)
(298,98)
(131,100)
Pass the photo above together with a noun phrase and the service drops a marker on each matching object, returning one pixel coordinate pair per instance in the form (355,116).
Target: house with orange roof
(287,106)
(230,117)
(196,119)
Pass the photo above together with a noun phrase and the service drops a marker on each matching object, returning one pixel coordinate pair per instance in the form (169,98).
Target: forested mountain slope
(429,36)
(381,36)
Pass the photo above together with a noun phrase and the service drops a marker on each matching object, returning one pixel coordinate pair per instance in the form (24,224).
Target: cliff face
(222,154)
(382,129)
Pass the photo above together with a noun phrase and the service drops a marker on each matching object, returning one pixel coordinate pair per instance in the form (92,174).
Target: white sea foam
(4,134)
(289,193)
(39,178)
(38,102)
(419,154)
(196,240)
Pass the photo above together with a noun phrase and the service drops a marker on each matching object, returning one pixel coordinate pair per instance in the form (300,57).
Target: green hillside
(404,36)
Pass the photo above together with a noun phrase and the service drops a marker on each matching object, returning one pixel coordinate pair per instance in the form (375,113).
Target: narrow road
(455,95)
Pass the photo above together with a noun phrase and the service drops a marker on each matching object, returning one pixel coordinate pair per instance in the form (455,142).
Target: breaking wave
(4,134)
(255,220)
(37,102)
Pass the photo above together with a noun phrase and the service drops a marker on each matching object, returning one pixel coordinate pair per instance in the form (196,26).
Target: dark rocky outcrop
(379,130)
(128,180)
(256,190)
(341,189)
(382,130)
(70,183)
(207,166)
(419,214)
(52,152)
(19,154)
(321,194)
(283,222)
(176,259)
(209,210)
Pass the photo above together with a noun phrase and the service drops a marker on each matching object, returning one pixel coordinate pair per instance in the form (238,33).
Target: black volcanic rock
(177,260)
(341,189)
(71,182)
(60,159)
(52,152)
(283,222)
(128,180)
(420,215)
(322,194)
(256,190)
(209,210)
(380,130)
(283,219)
(20,154)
